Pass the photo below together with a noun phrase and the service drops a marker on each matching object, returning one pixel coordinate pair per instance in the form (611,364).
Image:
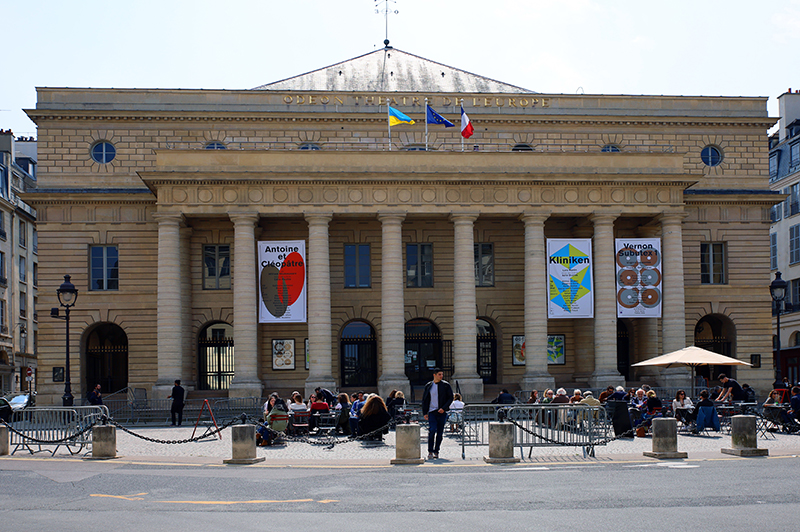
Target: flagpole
(389,121)
(426,123)
(461,104)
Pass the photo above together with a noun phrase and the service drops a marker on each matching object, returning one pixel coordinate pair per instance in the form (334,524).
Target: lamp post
(777,288)
(67,295)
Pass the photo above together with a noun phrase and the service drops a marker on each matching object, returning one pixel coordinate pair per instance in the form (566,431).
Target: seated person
(533,398)
(455,416)
(637,406)
(316,406)
(790,417)
(343,420)
(355,412)
(374,416)
(604,395)
(297,404)
(398,410)
(618,395)
(577,396)
(548,396)
(683,408)
(504,398)
(704,400)
(561,397)
(702,422)
(277,419)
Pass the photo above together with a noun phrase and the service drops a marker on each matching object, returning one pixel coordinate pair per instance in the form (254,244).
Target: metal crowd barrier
(54,423)
(574,425)
(475,424)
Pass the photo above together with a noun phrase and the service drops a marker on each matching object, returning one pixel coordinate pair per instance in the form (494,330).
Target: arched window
(611,148)
(309,146)
(423,350)
(415,147)
(487,351)
(522,147)
(215,146)
(215,357)
(107,358)
(358,352)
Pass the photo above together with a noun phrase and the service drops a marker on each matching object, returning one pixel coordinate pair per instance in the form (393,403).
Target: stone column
(605,304)
(188,360)
(320,371)
(673,309)
(392,310)
(169,331)
(246,382)
(537,376)
(465,353)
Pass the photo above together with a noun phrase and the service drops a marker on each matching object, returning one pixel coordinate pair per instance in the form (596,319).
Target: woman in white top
(297,404)
(455,416)
(683,407)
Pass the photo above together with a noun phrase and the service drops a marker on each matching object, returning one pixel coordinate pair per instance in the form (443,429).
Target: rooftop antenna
(386,11)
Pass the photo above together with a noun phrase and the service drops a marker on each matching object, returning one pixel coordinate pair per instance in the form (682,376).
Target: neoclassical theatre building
(397,254)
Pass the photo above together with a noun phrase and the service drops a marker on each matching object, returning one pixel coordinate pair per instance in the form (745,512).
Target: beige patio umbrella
(692,356)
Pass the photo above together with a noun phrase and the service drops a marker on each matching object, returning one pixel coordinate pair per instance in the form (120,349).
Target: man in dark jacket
(436,399)
(177,397)
(504,398)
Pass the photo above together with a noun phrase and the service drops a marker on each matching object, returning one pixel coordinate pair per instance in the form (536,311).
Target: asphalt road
(707,494)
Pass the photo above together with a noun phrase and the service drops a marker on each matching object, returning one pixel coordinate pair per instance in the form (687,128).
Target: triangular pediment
(392,70)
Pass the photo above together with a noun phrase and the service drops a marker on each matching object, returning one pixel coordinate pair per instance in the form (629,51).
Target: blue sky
(700,47)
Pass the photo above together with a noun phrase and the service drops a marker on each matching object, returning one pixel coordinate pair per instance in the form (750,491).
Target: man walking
(436,399)
(177,402)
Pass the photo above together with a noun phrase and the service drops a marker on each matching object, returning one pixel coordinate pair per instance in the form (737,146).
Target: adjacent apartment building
(19,267)
(784,177)
(285,237)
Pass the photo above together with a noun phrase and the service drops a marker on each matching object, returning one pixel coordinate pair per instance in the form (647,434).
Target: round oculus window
(103,152)
(711,156)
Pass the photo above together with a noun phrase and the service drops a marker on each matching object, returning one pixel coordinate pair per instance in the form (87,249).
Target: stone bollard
(501,444)
(665,439)
(104,442)
(743,438)
(243,445)
(4,440)
(407,450)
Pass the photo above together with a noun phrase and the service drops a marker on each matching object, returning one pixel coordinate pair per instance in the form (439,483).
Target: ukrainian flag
(396,117)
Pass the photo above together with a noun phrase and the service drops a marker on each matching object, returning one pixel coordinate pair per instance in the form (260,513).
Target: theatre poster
(569,272)
(639,288)
(282,282)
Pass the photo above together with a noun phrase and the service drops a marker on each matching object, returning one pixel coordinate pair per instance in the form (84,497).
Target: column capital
(398,217)
(168,217)
(469,217)
(534,217)
(318,217)
(599,218)
(243,217)
(671,218)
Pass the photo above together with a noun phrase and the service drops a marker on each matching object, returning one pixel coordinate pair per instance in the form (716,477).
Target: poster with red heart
(282,282)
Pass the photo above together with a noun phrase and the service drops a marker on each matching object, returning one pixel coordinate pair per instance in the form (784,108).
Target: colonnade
(172,330)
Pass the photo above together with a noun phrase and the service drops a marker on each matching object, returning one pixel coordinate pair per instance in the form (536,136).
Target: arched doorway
(358,350)
(716,333)
(423,350)
(106,356)
(215,368)
(487,352)
(623,349)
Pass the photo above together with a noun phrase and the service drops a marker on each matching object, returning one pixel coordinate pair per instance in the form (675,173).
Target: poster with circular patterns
(638,277)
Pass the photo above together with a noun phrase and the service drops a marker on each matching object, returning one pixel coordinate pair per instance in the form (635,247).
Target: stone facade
(316,166)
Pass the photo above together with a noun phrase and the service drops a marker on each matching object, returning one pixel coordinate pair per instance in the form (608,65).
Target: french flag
(466,126)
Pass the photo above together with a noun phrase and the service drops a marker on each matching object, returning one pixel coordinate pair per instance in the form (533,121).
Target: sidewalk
(350,454)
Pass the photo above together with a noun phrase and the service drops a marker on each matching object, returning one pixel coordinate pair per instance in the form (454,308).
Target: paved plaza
(351,453)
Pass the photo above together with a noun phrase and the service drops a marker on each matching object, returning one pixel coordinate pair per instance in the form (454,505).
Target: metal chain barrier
(60,440)
(328,441)
(208,433)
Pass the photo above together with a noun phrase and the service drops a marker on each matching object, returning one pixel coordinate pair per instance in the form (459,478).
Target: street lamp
(67,295)
(777,289)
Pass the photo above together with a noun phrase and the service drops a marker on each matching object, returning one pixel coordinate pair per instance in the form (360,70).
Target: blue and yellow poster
(569,272)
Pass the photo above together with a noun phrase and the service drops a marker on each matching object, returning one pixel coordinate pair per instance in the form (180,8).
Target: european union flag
(436,118)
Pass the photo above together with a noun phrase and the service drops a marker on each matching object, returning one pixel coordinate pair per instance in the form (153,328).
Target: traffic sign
(30,372)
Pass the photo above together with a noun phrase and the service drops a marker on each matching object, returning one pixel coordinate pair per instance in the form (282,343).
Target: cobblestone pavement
(349,453)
